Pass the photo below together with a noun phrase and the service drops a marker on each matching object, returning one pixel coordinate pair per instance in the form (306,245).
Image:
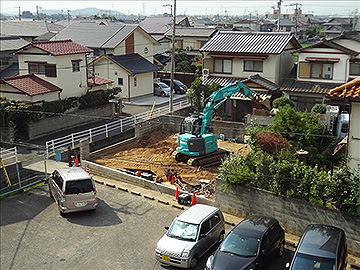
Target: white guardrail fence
(106,130)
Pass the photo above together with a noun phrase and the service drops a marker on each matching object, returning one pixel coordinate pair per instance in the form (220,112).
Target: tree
(281,102)
(198,93)
(27,15)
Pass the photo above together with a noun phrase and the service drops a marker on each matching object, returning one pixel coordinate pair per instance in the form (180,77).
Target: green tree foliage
(183,63)
(198,94)
(318,108)
(27,15)
(281,102)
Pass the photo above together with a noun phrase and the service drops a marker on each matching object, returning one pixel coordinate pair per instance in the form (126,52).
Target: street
(121,234)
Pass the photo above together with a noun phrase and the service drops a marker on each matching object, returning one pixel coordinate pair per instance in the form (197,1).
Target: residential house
(285,26)
(322,67)
(350,93)
(230,54)
(30,30)
(9,65)
(191,39)
(29,88)
(336,26)
(116,39)
(131,72)
(61,62)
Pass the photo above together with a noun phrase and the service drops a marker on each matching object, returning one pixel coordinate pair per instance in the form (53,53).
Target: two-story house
(237,55)
(322,67)
(62,63)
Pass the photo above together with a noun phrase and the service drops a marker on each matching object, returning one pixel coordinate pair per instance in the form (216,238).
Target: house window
(316,70)
(179,44)
(49,70)
(250,65)
(223,66)
(75,65)
(355,69)
(135,81)
(120,81)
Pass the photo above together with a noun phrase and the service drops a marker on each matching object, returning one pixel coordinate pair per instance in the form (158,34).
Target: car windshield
(309,262)
(162,85)
(78,186)
(183,230)
(178,83)
(240,245)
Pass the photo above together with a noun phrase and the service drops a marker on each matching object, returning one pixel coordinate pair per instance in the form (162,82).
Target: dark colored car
(252,244)
(321,247)
(179,87)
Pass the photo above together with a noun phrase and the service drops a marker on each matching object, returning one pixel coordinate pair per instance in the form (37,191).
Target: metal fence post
(72,140)
(46,175)
(106,131)
(90,137)
(121,125)
(53,146)
(17,167)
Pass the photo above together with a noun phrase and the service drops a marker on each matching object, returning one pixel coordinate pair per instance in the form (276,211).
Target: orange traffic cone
(176,194)
(193,202)
(76,160)
(87,169)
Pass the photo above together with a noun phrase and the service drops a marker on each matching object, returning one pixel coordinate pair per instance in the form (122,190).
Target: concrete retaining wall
(52,124)
(293,214)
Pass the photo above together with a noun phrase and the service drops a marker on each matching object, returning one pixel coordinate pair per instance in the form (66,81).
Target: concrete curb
(135,193)
(123,189)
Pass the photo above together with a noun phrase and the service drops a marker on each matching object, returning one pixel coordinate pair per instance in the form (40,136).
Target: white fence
(9,156)
(107,130)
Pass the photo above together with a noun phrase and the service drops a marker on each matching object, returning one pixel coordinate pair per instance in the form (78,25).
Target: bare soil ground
(154,153)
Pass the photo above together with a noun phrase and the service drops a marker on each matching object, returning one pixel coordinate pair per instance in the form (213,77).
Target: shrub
(281,102)
(318,108)
(270,142)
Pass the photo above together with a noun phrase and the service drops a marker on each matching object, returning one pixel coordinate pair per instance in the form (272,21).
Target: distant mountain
(83,11)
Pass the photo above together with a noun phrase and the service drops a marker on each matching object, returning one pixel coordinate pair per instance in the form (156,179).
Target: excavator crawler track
(208,160)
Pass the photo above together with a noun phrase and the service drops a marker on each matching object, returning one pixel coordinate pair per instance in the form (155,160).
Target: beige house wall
(354,137)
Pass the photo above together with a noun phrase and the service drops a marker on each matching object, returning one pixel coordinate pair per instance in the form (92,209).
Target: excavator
(197,142)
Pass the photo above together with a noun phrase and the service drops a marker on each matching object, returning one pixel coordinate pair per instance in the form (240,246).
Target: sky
(191,7)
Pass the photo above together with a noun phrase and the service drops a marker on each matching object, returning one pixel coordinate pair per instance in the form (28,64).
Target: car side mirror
(287,265)
(203,235)
(166,227)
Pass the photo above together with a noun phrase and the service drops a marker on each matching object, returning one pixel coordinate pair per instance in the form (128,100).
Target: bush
(318,108)
(270,142)
(281,102)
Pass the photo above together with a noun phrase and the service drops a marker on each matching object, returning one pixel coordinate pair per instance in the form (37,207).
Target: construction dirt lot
(154,153)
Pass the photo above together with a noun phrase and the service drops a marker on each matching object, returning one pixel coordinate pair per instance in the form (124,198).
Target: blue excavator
(197,142)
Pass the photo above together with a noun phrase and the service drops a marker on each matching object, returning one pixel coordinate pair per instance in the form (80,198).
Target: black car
(179,87)
(252,244)
(321,247)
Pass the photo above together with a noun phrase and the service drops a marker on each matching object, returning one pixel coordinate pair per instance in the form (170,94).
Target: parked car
(179,87)
(252,244)
(161,89)
(190,236)
(73,190)
(321,247)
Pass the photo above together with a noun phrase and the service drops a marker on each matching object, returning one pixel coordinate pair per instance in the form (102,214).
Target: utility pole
(171,102)
(19,13)
(68,16)
(279,14)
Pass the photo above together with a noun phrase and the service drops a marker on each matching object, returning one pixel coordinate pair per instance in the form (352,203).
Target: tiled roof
(12,43)
(98,80)
(257,79)
(330,44)
(95,35)
(60,47)
(28,28)
(133,63)
(349,91)
(10,71)
(241,42)
(204,32)
(159,25)
(30,84)
(293,85)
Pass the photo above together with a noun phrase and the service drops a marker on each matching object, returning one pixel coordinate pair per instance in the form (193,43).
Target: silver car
(161,89)
(73,190)
(190,236)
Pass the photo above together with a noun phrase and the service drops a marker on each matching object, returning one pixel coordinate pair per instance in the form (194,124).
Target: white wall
(354,136)
(340,69)
(74,84)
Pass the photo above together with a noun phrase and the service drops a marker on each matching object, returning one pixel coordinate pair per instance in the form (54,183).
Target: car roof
(197,213)
(254,226)
(320,240)
(73,173)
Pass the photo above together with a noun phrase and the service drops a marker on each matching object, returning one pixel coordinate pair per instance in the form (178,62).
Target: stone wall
(52,124)
(293,214)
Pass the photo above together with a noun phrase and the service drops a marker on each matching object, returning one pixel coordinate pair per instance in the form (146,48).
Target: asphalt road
(121,234)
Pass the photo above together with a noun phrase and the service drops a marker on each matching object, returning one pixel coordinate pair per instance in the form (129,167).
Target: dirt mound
(154,153)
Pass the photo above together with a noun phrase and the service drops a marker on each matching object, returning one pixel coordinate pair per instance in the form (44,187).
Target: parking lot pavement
(121,234)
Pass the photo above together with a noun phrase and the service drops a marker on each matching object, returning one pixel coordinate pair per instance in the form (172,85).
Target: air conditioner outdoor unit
(205,72)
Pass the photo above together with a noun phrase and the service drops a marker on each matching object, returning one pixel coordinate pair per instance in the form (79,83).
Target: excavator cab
(191,125)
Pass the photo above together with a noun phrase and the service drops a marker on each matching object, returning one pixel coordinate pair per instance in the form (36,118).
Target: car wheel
(281,249)
(221,237)
(194,261)
(162,94)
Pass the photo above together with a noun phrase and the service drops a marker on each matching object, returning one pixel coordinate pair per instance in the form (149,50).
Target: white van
(190,236)
(73,190)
